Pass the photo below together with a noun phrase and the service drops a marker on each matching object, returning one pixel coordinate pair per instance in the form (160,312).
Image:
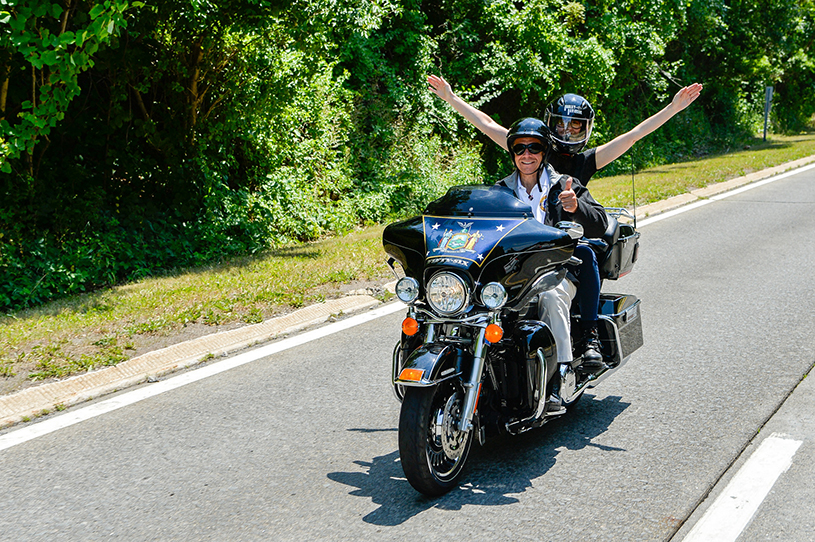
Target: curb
(717,188)
(36,401)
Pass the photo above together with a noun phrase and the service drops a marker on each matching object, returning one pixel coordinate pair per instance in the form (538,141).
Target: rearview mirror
(574,229)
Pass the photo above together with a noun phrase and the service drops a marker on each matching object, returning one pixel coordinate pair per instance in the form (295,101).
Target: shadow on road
(495,473)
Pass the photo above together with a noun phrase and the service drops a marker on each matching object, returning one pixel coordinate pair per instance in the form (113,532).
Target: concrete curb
(35,401)
(717,188)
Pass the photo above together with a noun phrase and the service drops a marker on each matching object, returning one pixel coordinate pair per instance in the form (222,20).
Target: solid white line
(75,416)
(722,196)
(669,214)
(53,424)
(735,507)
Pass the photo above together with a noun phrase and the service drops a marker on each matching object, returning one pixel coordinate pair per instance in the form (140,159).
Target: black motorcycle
(473,359)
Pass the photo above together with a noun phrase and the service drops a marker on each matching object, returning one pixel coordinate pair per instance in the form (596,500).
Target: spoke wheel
(432,448)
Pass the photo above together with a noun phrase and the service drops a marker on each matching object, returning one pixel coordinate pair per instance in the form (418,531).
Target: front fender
(430,364)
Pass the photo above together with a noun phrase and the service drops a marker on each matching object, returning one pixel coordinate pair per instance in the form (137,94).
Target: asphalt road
(302,445)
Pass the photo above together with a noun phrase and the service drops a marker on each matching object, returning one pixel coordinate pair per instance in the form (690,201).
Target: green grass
(103,328)
(662,182)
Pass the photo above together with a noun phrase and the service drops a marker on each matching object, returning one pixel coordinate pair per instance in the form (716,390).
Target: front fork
(472,385)
(471,382)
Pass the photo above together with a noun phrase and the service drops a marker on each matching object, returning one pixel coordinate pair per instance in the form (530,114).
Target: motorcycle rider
(570,119)
(596,158)
(553,198)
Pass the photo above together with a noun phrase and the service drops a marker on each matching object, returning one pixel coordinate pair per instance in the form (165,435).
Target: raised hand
(568,199)
(440,87)
(685,96)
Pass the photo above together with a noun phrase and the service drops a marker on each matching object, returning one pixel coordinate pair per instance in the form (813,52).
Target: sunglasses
(534,148)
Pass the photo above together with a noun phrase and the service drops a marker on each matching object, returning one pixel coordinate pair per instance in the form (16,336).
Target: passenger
(570,119)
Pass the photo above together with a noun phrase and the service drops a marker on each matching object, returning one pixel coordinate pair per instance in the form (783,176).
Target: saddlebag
(623,247)
(620,326)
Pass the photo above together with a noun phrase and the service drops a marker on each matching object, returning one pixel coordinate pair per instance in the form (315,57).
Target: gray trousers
(553,310)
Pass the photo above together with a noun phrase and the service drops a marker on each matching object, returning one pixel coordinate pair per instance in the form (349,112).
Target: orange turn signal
(410,326)
(493,333)
(414,375)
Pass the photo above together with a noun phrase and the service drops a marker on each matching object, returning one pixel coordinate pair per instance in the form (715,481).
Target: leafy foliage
(140,137)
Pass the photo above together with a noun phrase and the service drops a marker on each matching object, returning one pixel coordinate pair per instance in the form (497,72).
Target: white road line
(53,424)
(722,196)
(735,507)
(75,416)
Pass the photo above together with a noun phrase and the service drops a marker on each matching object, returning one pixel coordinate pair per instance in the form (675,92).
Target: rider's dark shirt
(581,166)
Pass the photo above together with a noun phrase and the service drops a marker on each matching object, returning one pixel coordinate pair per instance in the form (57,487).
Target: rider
(553,198)
(596,158)
(570,119)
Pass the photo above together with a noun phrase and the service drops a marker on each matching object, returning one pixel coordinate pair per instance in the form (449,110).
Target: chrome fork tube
(430,336)
(471,385)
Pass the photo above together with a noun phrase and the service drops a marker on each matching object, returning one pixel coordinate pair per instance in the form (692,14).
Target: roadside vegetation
(173,167)
(137,138)
(93,330)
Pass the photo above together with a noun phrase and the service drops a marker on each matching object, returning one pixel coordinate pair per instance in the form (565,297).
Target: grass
(103,328)
(106,327)
(662,182)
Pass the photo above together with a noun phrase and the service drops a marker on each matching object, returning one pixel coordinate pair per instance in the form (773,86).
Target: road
(302,444)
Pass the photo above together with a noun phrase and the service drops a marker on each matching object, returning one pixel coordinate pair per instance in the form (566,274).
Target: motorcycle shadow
(495,473)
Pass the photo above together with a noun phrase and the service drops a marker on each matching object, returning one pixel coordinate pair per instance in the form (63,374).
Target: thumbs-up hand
(568,199)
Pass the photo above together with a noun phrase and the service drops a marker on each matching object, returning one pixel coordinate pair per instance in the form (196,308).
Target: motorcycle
(473,360)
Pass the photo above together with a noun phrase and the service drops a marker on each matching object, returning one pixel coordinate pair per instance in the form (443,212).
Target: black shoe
(592,356)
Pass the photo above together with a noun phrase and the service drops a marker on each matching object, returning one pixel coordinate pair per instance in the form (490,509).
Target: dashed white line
(733,510)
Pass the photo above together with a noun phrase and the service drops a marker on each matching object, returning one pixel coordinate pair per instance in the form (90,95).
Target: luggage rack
(618,212)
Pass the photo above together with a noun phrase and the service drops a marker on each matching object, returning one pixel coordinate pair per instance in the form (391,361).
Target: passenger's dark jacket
(590,214)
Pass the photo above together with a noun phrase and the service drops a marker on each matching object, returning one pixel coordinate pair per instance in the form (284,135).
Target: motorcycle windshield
(479,200)
(484,231)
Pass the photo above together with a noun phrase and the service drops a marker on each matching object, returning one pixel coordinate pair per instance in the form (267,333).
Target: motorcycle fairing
(438,362)
(470,240)
(486,233)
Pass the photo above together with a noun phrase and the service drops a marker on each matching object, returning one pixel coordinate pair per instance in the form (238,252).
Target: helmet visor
(569,130)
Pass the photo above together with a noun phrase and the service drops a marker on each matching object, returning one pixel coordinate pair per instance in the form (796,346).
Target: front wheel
(432,448)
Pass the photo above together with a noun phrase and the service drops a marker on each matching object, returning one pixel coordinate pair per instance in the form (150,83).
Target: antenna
(633,189)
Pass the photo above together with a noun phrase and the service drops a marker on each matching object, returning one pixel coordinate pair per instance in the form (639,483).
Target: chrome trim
(472,384)
(573,229)
(476,320)
(390,262)
(545,282)
(616,337)
(542,389)
(467,293)
(400,394)
(430,336)
(414,284)
(568,384)
(617,212)
(519,426)
(424,383)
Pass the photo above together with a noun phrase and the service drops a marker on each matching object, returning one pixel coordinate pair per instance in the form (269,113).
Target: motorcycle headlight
(407,289)
(493,296)
(447,293)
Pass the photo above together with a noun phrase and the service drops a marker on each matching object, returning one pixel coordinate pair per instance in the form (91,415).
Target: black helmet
(570,119)
(529,127)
